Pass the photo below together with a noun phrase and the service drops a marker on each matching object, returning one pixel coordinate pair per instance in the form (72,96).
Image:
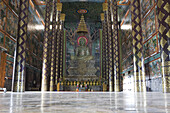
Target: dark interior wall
(150,47)
(8,35)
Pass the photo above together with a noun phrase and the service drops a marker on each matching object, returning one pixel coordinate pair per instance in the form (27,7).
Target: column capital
(62,18)
(59,6)
(105,6)
(102,16)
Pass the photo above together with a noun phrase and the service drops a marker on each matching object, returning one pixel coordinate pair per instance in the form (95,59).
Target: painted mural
(0,55)
(14,4)
(10,46)
(72,45)
(12,23)
(127,43)
(2,15)
(150,46)
(154,69)
(9,69)
(145,6)
(1,39)
(9,23)
(91,12)
(148,26)
(128,62)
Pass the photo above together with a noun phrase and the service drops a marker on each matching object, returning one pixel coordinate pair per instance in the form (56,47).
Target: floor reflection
(67,102)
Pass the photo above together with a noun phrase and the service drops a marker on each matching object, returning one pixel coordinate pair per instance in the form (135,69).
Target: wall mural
(154,69)
(12,23)
(9,69)
(87,69)
(2,15)
(127,43)
(10,46)
(145,6)
(150,46)
(14,4)
(91,66)
(148,26)
(72,45)
(1,39)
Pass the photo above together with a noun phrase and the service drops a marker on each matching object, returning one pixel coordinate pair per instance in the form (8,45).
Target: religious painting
(145,6)
(154,69)
(82,52)
(0,55)
(148,26)
(34,44)
(156,17)
(40,50)
(1,39)
(2,15)
(34,60)
(126,43)
(12,24)
(28,57)
(150,47)
(14,4)
(9,69)
(10,45)
(128,62)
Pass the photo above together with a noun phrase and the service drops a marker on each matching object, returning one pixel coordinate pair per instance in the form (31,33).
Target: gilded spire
(82,26)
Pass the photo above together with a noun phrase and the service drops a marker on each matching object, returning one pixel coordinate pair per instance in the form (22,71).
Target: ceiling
(71,10)
(93,7)
(82,0)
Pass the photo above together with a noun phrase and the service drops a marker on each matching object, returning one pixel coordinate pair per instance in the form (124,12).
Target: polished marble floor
(95,102)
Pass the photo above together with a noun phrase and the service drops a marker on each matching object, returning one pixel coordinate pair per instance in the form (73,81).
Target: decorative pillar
(64,56)
(106,66)
(19,73)
(164,34)
(138,60)
(61,45)
(116,55)
(110,48)
(45,46)
(59,8)
(53,58)
(103,46)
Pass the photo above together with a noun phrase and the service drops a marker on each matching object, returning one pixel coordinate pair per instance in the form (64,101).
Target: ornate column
(59,8)
(116,56)
(138,60)
(110,48)
(61,45)
(19,73)
(45,46)
(103,46)
(164,34)
(106,66)
(53,58)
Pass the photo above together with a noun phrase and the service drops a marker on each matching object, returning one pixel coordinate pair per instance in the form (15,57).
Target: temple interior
(85,56)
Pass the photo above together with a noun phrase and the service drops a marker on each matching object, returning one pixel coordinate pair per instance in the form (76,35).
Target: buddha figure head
(82,42)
